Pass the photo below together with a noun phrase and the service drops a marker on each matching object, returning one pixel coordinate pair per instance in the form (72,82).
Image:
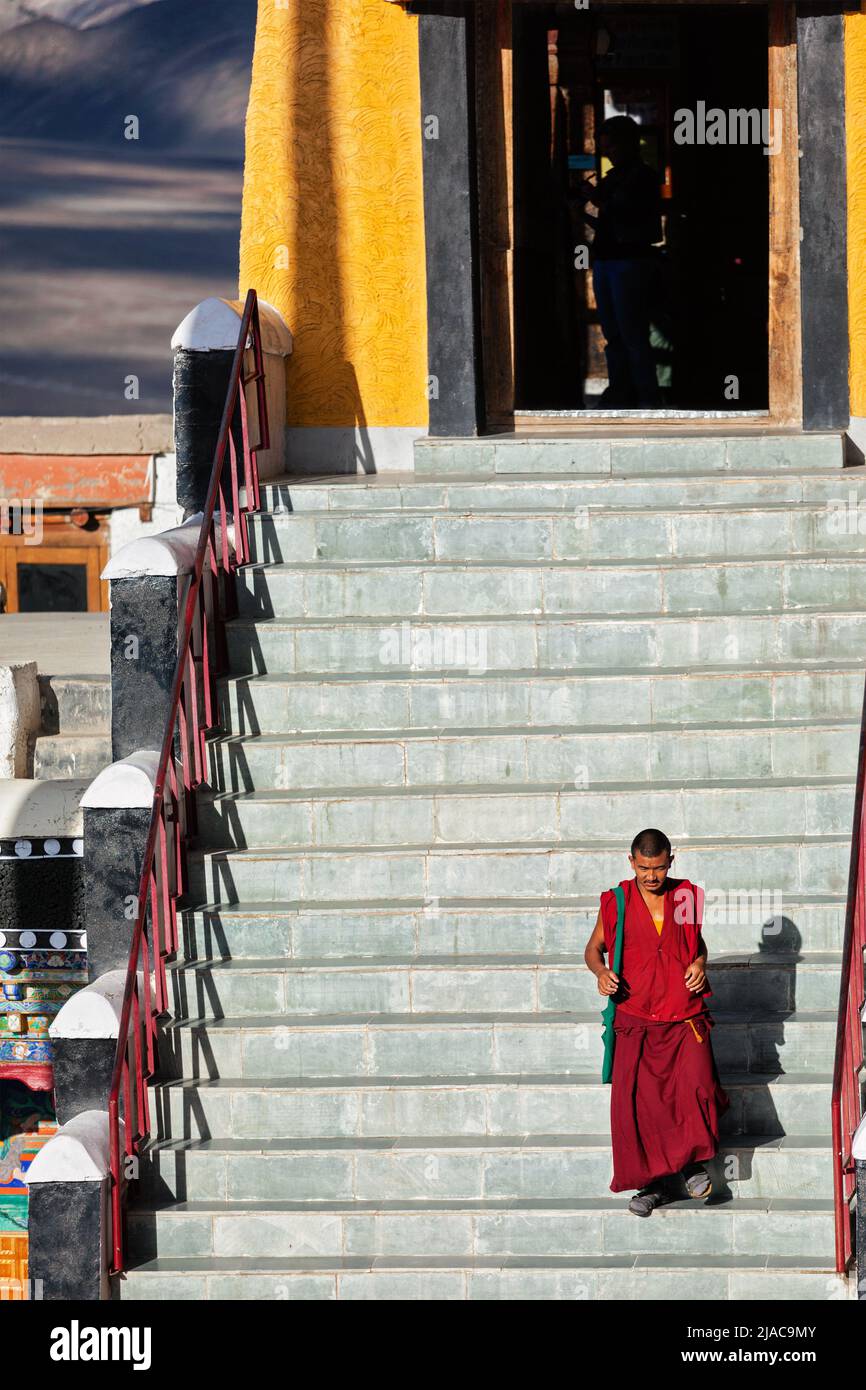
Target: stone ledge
(98,434)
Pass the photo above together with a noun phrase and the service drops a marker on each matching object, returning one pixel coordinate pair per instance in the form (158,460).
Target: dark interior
(711,320)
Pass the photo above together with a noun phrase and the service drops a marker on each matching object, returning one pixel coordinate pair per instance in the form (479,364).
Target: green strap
(608,1036)
(620,923)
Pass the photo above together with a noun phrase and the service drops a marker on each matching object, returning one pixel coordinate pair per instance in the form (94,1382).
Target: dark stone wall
(823,217)
(144,618)
(82,1075)
(115,841)
(66,1235)
(41,893)
(201,382)
(450,218)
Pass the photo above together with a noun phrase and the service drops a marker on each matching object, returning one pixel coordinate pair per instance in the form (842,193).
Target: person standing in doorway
(625,264)
(666,1097)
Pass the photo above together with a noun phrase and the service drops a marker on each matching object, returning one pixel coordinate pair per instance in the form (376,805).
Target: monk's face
(651,873)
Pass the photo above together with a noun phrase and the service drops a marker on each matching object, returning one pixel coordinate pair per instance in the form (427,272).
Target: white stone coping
(95,1010)
(858,1146)
(126,785)
(168,553)
(78,1152)
(35,809)
(212,326)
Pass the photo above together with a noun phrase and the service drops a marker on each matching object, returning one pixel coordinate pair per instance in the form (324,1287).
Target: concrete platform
(61,644)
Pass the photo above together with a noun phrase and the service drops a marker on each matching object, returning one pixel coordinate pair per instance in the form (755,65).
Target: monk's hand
(696,977)
(608,983)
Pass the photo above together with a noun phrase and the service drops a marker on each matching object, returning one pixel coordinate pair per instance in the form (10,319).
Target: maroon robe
(666,1097)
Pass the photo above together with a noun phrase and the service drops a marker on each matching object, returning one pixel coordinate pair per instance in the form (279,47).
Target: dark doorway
(572,70)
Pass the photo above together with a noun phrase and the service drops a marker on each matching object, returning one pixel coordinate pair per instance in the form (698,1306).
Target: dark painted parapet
(201,383)
(144,619)
(67,1229)
(114,844)
(450,221)
(823,217)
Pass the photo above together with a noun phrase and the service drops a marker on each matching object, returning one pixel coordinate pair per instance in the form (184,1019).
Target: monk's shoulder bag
(608,1036)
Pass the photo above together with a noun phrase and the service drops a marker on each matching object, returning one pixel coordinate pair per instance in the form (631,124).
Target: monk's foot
(698,1181)
(644,1203)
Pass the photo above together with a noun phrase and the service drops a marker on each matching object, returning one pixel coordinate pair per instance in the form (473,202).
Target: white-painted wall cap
(858,1146)
(212,326)
(94,1011)
(78,1152)
(125,785)
(170,552)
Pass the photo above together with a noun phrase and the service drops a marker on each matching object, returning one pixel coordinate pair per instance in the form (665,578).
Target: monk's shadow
(755,996)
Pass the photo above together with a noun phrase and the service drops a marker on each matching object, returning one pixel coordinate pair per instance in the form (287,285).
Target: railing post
(118,806)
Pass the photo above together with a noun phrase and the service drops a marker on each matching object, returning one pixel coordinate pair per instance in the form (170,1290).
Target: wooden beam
(786,379)
(494,104)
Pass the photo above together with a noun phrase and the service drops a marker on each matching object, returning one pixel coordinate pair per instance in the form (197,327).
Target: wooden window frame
(62,544)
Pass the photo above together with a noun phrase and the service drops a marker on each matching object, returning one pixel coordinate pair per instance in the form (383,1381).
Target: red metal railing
(193,713)
(846,1106)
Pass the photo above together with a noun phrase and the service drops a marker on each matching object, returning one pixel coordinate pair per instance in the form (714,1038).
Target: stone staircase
(456,695)
(75,738)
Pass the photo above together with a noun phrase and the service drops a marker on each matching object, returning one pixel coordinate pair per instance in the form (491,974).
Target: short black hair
(650,843)
(625,129)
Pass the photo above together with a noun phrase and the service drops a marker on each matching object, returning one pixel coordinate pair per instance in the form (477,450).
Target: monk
(666,1097)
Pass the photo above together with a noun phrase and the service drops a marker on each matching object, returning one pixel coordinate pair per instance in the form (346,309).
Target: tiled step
(71,755)
(498,814)
(792,866)
(609,453)
(261,761)
(320,592)
(370,1108)
(696,491)
(578,530)
(375,647)
(706,1278)
(744,922)
(442,1045)
(552,1228)
(551,701)
(493,984)
(504,1168)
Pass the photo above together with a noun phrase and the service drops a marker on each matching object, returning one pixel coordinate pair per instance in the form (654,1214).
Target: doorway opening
(695,82)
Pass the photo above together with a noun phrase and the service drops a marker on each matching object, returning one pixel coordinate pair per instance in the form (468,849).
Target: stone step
(75,705)
(511,646)
(578,533)
(704,1279)
(695,491)
(563,1228)
(494,815)
(71,755)
(607,453)
(505,1168)
(554,702)
(322,593)
(496,984)
(742,922)
(792,866)
(373,1108)
(441,1045)
(254,762)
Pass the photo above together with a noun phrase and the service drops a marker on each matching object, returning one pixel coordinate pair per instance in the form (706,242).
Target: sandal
(698,1182)
(644,1203)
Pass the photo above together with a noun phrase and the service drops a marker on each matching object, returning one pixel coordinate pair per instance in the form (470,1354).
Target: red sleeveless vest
(653,967)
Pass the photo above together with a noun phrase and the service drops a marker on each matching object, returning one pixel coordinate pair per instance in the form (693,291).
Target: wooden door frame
(495,150)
